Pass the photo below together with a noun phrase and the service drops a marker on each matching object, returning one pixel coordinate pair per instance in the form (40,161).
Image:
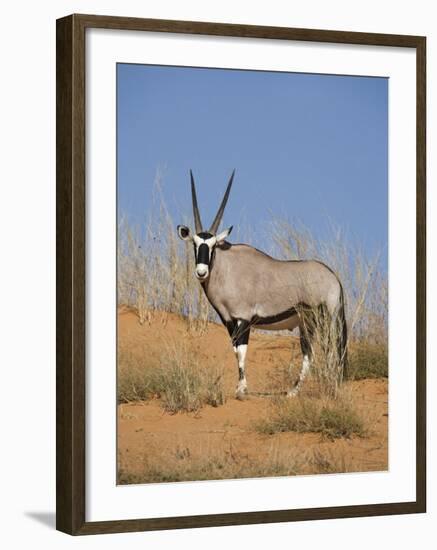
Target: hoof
(242,395)
(293,393)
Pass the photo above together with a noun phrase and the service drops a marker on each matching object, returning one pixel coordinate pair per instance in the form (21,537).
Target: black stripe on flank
(271,319)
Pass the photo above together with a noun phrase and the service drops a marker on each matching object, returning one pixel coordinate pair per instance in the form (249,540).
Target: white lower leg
(303,373)
(241,358)
(305,368)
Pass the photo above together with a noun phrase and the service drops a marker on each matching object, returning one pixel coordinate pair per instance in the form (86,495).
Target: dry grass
(136,380)
(177,379)
(332,418)
(326,370)
(155,270)
(326,462)
(367,360)
(327,359)
(187,463)
(187,385)
(212,468)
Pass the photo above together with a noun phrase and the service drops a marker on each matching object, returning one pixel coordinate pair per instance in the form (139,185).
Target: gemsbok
(248,288)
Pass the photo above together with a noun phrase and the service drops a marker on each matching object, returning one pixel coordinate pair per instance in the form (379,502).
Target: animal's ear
(184,233)
(222,236)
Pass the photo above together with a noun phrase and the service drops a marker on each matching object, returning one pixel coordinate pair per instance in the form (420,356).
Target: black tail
(342,339)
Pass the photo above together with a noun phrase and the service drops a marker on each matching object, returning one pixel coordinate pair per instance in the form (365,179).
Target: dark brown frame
(70,298)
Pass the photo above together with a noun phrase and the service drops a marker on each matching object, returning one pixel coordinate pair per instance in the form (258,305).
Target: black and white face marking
(204,244)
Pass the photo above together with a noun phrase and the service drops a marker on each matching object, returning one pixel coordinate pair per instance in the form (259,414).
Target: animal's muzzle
(202,271)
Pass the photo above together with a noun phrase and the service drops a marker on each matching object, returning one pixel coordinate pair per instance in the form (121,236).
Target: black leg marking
(306,333)
(242,332)
(306,343)
(231,326)
(239,331)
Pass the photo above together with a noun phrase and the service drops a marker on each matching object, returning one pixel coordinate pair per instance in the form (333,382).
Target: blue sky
(312,147)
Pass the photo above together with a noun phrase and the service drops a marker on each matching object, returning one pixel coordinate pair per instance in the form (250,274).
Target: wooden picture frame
(71,284)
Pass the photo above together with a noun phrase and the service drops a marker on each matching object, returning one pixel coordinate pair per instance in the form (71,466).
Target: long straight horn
(197,221)
(219,215)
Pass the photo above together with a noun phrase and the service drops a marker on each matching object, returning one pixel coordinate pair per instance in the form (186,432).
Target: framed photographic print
(240,274)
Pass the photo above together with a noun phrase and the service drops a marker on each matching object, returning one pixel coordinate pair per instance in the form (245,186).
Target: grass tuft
(367,361)
(137,380)
(330,418)
(177,379)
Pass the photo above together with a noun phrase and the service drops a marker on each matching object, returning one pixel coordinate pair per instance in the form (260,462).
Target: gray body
(247,284)
(249,288)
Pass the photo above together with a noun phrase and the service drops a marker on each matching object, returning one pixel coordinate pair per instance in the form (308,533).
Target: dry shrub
(187,385)
(177,379)
(136,380)
(333,419)
(327,360)
(367,360)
